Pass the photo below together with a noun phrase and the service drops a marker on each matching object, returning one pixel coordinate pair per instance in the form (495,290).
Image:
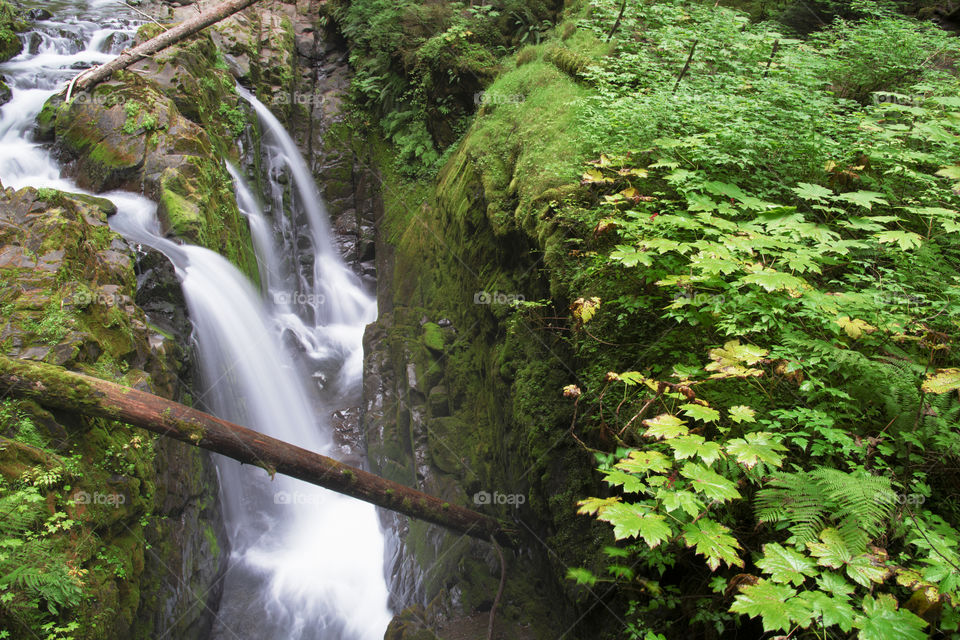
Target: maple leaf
(777,605)
(865,199)
(785,564)
(584,309)
(854,328)
(809,191)
(665,426)
(742,413)
(709,483)
(942,381)
(713,540)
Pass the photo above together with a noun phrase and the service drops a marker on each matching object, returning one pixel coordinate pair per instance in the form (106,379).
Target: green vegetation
(420,68)
(796,226)
(763,285)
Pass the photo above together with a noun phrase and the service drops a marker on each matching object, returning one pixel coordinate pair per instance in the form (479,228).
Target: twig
(503,580)
(143,13)
(776,46)
(616,25)
(686,66)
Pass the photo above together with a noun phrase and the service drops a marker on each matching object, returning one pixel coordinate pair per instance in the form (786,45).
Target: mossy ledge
(68,300)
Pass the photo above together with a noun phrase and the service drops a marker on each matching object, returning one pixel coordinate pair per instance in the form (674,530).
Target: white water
(306,564)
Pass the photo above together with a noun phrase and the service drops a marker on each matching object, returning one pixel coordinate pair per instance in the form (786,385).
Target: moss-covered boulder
(10,24)
(129,134)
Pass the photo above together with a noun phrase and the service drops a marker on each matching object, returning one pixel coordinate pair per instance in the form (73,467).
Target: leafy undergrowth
(778,228)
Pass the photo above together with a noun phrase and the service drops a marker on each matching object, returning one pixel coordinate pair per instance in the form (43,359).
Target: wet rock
(131,135)
(5,92)
(39,13)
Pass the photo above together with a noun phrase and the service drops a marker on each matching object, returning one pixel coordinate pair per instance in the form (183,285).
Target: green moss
(433,337)
(182,216)
(10,24)
(212,542)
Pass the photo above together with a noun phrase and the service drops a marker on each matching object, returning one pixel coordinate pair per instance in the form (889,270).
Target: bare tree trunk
(98,74)
(57,387)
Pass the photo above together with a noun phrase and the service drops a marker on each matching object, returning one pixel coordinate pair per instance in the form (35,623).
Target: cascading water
(306,563)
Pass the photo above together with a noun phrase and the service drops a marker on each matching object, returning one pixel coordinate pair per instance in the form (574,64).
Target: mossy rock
(433,337)
(10,24)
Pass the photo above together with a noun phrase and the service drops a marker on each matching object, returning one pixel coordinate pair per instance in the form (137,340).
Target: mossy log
(171,36)
(56,387)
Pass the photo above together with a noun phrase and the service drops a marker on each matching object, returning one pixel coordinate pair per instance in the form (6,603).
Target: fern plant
(857,504)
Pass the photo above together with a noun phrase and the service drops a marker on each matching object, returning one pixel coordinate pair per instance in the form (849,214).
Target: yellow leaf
(854,328)
(584,308)
(942,381)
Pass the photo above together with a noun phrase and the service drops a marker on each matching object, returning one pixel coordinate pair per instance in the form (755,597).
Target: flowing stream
(306,563)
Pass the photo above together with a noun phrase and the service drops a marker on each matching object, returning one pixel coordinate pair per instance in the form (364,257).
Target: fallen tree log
(171,36)
(56,387)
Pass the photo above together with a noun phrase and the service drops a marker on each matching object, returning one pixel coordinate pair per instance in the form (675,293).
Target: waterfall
(306,563)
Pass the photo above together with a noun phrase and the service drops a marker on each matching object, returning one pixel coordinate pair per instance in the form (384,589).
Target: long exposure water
(306,563)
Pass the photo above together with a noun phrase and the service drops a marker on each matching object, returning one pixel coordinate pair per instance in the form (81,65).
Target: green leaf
(950,172)
(742,413)
(733,353)
(645,461)
(772,280)
(834,610)
(629,482)
(665,426)
(673,499)
(942,381)
(776,604)
(700,412)
(725,189)
(690,445)
(686,446)
(786,565)
(756,447)
(865,569)
(905,239)
(582,576)
(885,621)
(632,378)
(834,583)
(713,540)
(831,550)
(630,256)
(635,520)
(592,506)
(809,191)
(710,484)
(865,199)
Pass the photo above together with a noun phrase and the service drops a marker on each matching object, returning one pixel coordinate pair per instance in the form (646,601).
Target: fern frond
(857,504)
